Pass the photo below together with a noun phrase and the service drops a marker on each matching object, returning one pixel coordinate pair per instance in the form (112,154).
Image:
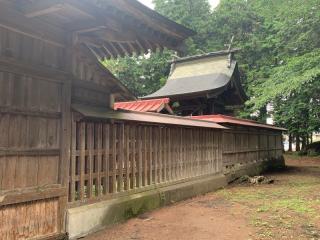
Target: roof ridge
(205,55)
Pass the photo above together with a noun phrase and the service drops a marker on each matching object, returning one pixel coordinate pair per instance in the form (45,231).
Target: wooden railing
(118,158)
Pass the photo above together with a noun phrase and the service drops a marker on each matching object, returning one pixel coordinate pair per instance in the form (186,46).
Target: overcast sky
(148,3)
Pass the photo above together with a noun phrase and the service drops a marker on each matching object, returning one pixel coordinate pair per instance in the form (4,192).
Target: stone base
(90,218)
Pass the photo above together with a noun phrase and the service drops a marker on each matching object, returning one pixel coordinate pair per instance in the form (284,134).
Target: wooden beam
(32,27)
(108,54)
(125,48)
(119,49)
(110,49)
(32,195)
(121,23)
(42,72)
(142,46)
(115,36)
(43,7)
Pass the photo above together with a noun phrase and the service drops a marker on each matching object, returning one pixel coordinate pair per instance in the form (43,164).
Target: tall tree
(279,57)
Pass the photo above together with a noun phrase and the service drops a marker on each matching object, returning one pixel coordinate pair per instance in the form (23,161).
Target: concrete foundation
(90,218)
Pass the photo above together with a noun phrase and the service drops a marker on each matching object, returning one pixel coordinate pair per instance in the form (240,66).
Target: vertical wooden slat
(73,161)
(181,150)
(82,138)
(150,157)
(128,155)
(134,164)
(165,152)
(174,155)
(121,156)
(155,147)
(140,157)
(98,136)
(169,154)
(198,152)
(145,156)
(90,157)
(114,158)
(160,156)
(106,157)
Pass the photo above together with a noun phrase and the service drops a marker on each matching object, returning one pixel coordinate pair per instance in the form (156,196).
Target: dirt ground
(287,209)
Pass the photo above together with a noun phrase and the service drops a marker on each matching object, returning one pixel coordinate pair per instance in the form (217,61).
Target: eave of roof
(112,28)
(219,118)
(88,112)
(199,84)
(178,28)
(153,105)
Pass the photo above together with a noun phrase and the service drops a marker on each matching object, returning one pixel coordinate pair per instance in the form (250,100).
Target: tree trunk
(304,143)
(298,143)
(290,143)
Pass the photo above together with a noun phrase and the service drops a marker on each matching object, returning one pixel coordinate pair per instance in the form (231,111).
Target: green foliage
(279,57)
(142,74)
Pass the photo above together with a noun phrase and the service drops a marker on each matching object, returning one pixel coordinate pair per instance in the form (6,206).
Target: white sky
(148,3)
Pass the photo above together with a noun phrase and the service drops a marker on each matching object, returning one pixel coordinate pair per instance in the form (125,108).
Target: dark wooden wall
(42,72)
(34,107)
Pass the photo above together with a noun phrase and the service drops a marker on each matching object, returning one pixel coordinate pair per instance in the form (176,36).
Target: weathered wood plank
(128,155)
(140,155)
(89,159)
(106,158)
(114,158)
(82,139)
(134,161)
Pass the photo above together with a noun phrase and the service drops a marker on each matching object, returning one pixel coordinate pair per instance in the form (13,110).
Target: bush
(313,149)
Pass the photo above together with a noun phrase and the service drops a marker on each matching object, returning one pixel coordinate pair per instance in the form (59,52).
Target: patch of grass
(295,204)
(280,210)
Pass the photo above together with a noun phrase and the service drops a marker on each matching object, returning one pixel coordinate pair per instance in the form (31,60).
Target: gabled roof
(201,76)
(154,105)
(88,112)
(218,118)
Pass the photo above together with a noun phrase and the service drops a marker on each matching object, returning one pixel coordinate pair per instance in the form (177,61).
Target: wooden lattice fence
(110,158)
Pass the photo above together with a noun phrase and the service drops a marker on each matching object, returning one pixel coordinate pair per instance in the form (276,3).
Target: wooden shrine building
(204,84)
(49,75)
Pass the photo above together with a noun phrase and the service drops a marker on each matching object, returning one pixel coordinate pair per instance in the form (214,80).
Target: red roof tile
(153,105)
(218,118)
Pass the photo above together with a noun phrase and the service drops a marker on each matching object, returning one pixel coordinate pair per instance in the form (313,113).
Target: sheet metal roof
(89,112)
(153,105)
(198,75)
(218,118)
